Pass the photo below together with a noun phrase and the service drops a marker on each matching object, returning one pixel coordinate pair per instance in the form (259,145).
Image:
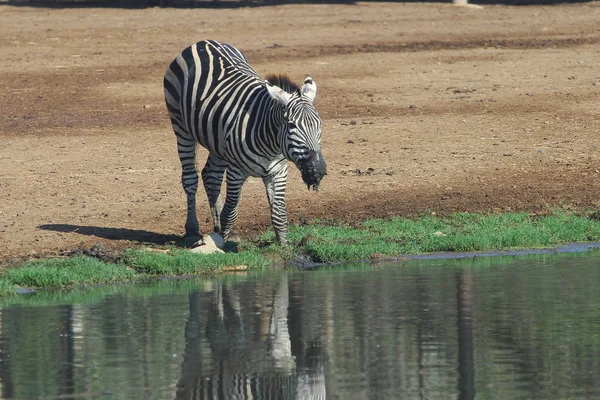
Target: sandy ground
(425,107)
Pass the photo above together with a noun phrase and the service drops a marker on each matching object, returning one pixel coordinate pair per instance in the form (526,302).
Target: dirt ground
(425,107)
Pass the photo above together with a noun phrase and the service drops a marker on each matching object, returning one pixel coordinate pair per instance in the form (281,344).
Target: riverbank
(318,242)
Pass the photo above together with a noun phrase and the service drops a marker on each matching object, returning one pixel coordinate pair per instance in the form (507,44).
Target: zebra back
(215,96)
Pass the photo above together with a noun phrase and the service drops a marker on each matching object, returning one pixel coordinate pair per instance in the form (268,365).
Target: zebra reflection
(235,352)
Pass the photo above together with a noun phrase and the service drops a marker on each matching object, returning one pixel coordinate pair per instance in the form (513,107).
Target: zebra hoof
(192,241)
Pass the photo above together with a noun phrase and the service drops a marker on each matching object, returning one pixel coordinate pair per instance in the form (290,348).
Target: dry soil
(425,108)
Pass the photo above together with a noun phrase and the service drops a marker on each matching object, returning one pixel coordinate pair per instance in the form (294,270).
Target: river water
(523,327)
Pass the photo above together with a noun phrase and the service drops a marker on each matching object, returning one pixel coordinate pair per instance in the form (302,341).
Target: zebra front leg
(275,185)
(186,147)
(212,177)
(229,215)
(192,229)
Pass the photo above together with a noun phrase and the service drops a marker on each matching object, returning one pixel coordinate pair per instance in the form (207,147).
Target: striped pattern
(253,386)
(249,126)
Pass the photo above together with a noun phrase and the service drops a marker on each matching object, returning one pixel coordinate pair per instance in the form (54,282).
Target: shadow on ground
(136,235)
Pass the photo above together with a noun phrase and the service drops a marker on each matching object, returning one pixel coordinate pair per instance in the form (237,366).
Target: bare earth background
(425,107)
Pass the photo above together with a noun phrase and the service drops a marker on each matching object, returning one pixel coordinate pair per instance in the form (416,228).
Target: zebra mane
(283,81)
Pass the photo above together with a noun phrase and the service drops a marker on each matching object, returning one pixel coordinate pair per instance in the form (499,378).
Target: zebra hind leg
(212,177)
(229,215)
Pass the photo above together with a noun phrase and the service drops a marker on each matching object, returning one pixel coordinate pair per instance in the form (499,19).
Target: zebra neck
(271,129)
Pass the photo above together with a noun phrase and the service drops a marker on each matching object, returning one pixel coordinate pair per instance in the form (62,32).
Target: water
(480,328)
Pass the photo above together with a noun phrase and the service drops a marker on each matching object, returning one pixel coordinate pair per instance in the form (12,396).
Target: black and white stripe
(249,125)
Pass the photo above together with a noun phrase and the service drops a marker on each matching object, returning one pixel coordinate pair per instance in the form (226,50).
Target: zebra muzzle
(313,169)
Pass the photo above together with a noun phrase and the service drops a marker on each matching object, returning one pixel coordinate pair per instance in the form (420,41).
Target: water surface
(480,328)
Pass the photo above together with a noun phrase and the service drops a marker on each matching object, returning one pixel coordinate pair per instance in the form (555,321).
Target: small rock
(353,122)
(302,261)
(206,249)
(146,106)
(213,243)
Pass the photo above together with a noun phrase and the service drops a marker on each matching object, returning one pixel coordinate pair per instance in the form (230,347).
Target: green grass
(69,272)
(7,287)
(322,242)
(184,262)
(457,232)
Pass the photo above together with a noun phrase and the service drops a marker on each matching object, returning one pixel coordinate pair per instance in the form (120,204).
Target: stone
(213,243)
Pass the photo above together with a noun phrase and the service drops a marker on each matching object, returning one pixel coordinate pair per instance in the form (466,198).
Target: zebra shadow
(137,235)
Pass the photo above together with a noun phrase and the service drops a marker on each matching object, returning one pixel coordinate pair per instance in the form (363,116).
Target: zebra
(250,127)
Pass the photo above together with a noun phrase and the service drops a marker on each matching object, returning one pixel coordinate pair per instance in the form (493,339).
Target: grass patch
(320,242)
(7,287)
(184,262)
(133,265)
(68,272)
(457,232)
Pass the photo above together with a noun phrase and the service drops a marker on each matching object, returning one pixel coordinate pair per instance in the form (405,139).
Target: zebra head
(301,131)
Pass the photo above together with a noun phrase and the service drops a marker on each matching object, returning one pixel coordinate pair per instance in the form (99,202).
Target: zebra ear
(309,89)
(278,94)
